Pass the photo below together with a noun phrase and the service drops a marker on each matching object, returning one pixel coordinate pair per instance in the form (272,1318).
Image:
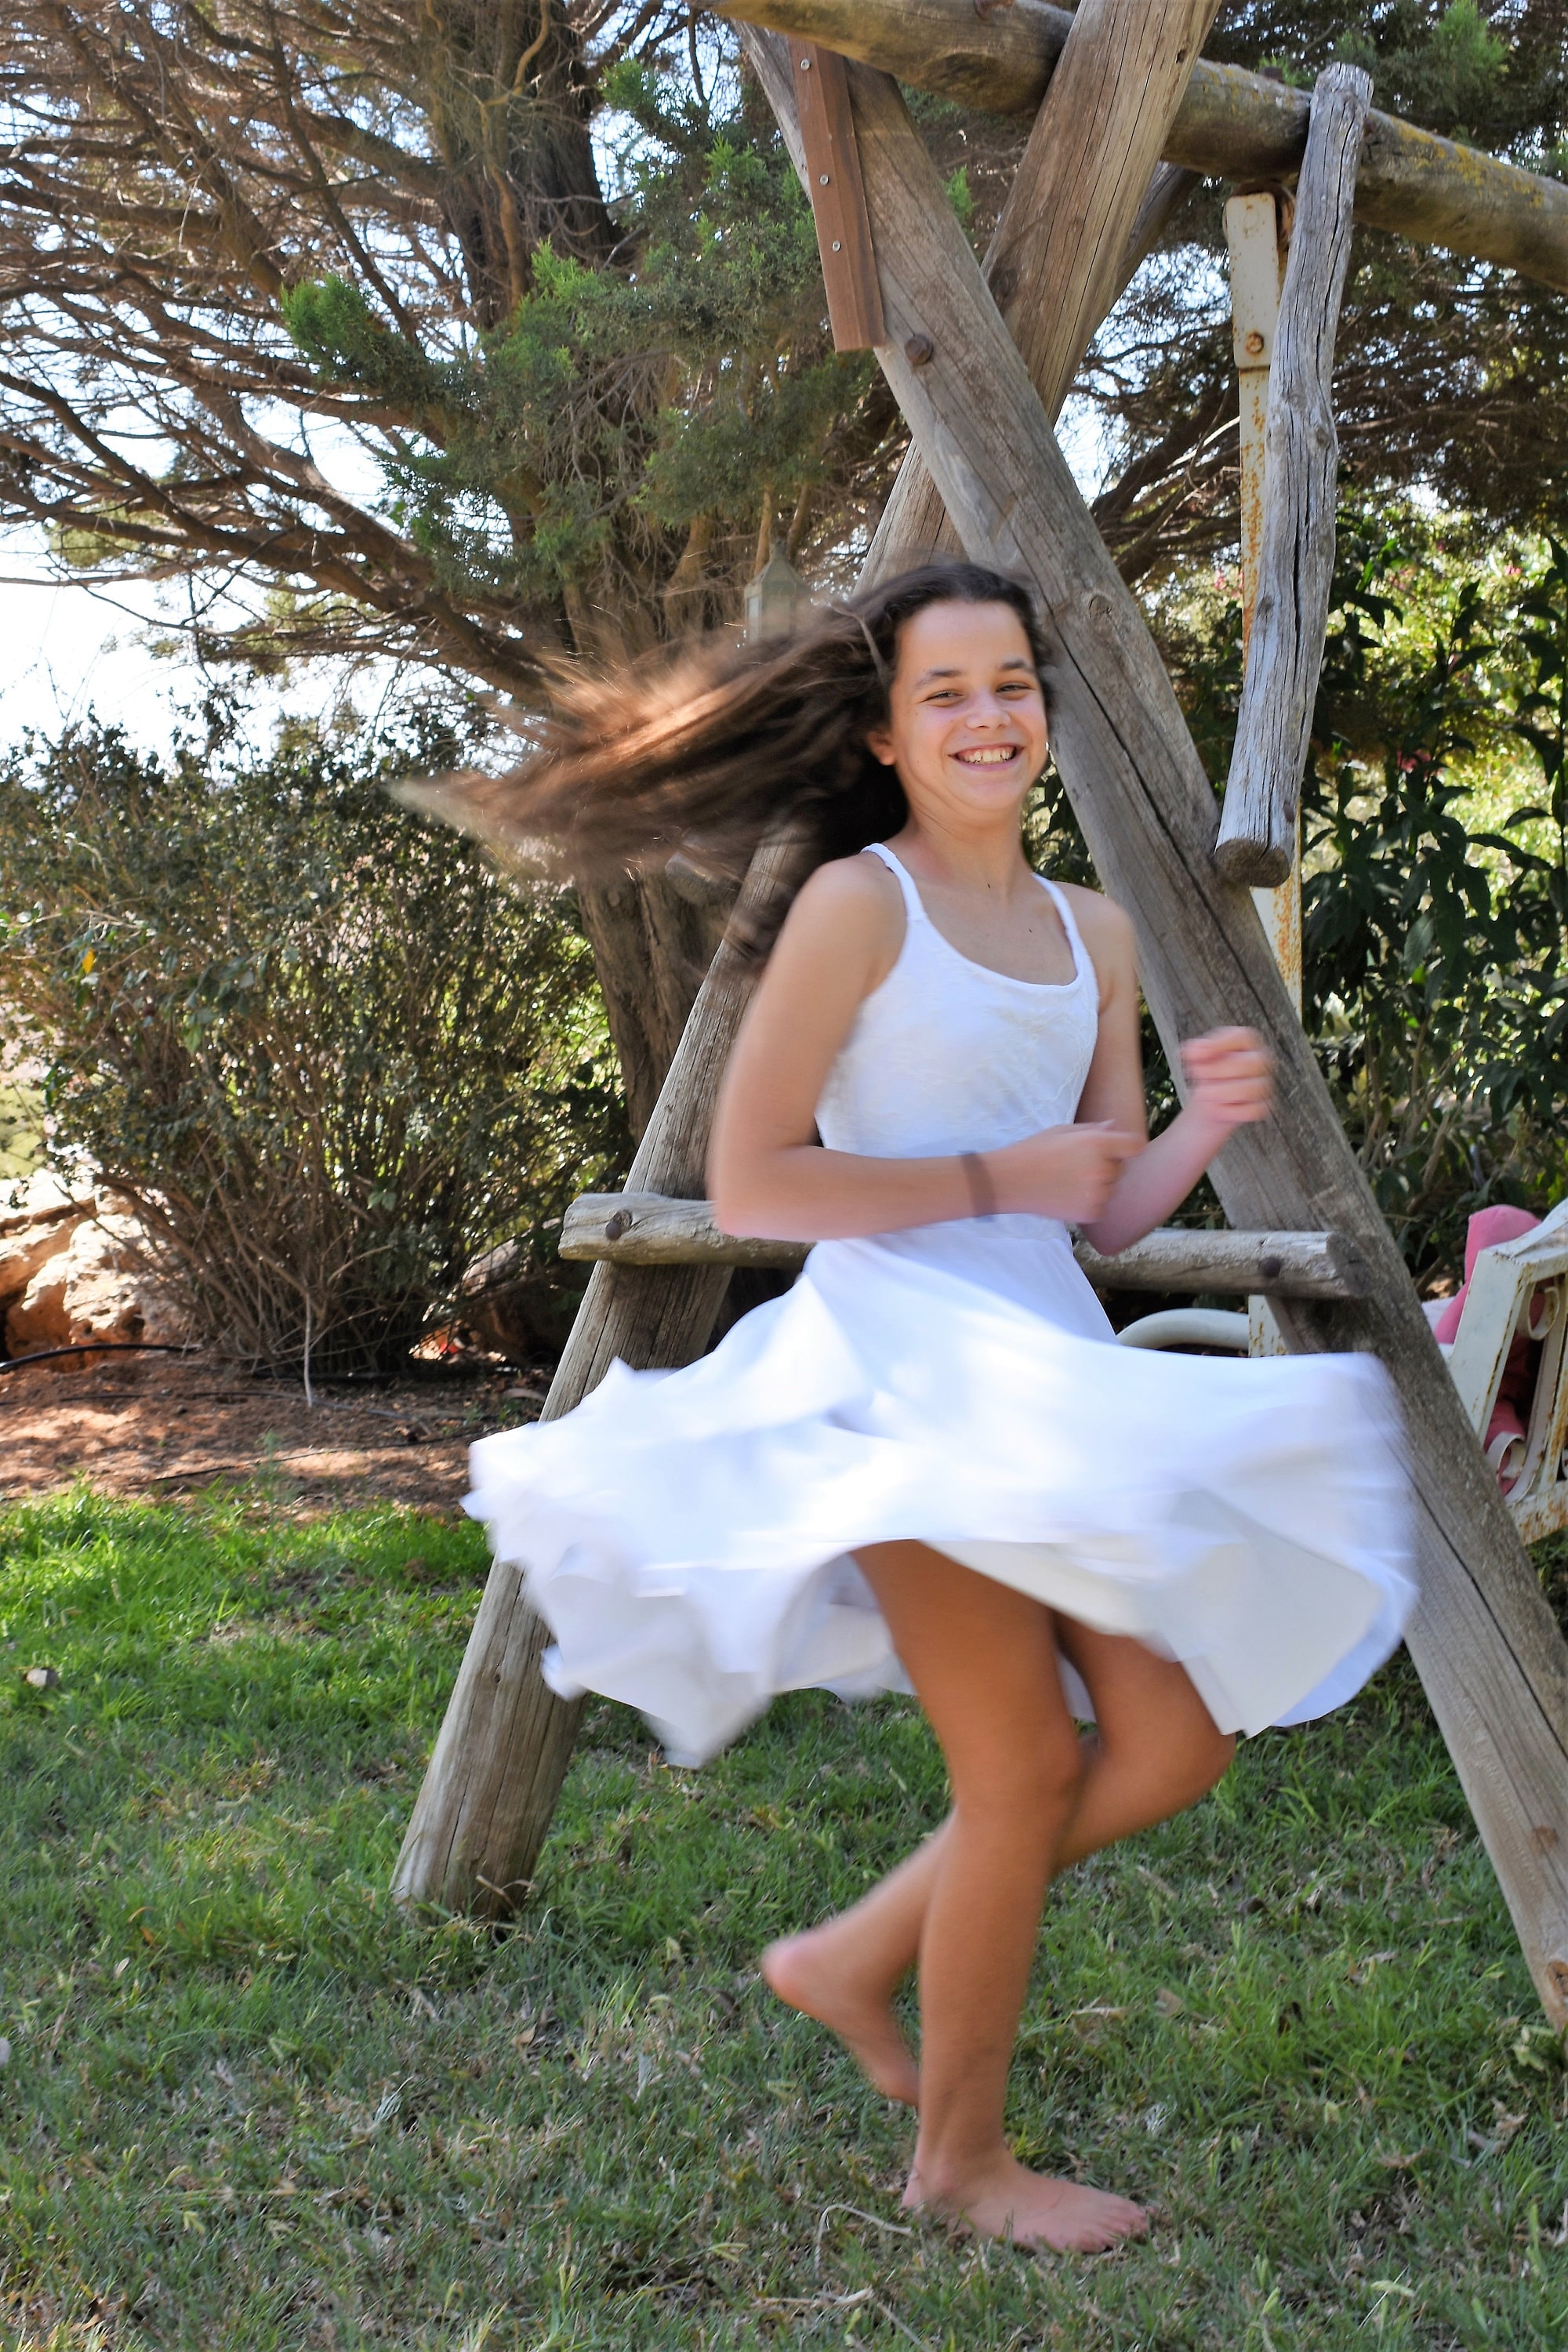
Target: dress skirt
(687,1536)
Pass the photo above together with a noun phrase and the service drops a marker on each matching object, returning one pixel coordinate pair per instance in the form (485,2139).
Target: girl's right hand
(1068,1172)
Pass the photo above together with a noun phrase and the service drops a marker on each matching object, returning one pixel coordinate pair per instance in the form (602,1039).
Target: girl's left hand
(1230,1077)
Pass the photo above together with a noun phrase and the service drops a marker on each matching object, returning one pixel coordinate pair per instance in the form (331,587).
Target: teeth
(989,759)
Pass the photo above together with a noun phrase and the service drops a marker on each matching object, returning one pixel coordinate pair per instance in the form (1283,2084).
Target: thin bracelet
(981,1191)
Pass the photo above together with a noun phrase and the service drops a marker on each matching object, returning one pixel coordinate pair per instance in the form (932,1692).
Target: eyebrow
(1013,661)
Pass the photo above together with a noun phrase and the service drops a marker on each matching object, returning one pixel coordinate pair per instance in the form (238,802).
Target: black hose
(99,1348)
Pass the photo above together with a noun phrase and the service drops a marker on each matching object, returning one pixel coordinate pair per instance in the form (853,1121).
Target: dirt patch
(156,1427)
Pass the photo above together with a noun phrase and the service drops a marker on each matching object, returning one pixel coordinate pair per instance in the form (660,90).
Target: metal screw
(805,65)
(1254,341)
(919,350)
(617,1225)
(822,180)
(837,247)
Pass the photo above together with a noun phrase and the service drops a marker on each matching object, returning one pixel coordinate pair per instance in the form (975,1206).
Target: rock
(101,1285)
(27,1247)
(517,1307)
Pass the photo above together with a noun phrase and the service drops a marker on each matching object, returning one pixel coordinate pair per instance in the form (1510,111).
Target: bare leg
(1155,1751)
(983,1659)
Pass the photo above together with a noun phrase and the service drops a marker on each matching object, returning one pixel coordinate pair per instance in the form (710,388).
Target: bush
(330,1055)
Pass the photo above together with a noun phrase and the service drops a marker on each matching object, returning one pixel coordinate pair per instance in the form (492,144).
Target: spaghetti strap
(1082,962)
(912,906)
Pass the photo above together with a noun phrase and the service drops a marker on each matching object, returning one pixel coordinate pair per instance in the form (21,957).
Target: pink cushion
(1486,1228)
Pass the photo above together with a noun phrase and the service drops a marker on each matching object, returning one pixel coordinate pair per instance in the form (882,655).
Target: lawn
(248,2105)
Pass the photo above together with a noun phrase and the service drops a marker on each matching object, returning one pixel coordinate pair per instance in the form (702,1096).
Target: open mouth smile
(989,755)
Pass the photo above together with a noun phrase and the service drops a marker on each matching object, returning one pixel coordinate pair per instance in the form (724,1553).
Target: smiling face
(966,727)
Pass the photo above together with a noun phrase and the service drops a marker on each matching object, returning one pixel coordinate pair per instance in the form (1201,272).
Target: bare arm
(1229,1076)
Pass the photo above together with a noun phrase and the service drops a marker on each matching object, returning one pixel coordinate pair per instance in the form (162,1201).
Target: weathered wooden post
(1261,825)
(1253,233)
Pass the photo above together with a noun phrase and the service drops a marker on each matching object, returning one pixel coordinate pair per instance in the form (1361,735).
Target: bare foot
(1006,2200)
(804,1975)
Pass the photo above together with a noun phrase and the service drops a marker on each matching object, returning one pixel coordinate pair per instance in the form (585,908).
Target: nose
(987,708)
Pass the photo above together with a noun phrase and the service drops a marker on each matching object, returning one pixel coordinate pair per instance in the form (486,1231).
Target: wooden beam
(649,1229)
(837,199)
(1113,96)
(1488,1649)
(1257,831)
(1232,125)
(505,1741)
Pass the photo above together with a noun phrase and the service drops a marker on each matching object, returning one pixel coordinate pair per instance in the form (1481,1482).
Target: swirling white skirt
(688,1535)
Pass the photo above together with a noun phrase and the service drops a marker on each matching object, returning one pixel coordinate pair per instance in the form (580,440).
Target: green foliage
(334,1056)
(250,2104)
(1437,930)
(1437,985)
(571,450)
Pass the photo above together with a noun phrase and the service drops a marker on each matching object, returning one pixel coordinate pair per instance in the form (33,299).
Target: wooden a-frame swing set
(980,360)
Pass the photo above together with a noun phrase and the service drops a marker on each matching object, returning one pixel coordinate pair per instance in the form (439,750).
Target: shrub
(331,1056)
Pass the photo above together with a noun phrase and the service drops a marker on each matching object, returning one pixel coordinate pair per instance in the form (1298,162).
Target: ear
(879,743)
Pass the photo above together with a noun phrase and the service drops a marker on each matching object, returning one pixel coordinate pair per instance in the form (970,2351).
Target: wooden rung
(651,1229)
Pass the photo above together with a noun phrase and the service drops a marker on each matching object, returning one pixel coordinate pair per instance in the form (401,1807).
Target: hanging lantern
(777,600)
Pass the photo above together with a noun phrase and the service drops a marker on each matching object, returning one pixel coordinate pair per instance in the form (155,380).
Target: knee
(1173,1775)
(1199,1765)
(1035,1780)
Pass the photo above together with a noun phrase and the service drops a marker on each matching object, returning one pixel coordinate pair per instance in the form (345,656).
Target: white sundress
(688,1535)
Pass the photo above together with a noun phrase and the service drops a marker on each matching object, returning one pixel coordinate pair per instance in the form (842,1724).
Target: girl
(928,1455)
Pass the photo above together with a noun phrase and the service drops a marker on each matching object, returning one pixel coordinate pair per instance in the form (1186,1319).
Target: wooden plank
(1257,831)
(1232,124)
(837,199)
(1490,1655)
(649,1229)
(1112,98)
(505,1741)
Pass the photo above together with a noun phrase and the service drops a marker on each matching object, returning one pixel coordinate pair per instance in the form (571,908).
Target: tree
(326,296)
(243,247)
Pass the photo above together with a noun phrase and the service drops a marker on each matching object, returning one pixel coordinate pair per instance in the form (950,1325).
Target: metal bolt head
(919,350)
(837,247)
(1253,342)
(823,180)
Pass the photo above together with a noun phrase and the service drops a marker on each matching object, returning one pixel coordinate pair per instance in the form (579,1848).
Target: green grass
(248,2105)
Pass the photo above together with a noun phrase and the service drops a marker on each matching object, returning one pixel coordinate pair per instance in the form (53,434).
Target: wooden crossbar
(651,1229)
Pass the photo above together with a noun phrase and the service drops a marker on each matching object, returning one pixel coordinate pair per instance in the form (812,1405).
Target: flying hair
(702,753)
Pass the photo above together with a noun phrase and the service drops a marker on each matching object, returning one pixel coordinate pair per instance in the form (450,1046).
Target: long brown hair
(701,755)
